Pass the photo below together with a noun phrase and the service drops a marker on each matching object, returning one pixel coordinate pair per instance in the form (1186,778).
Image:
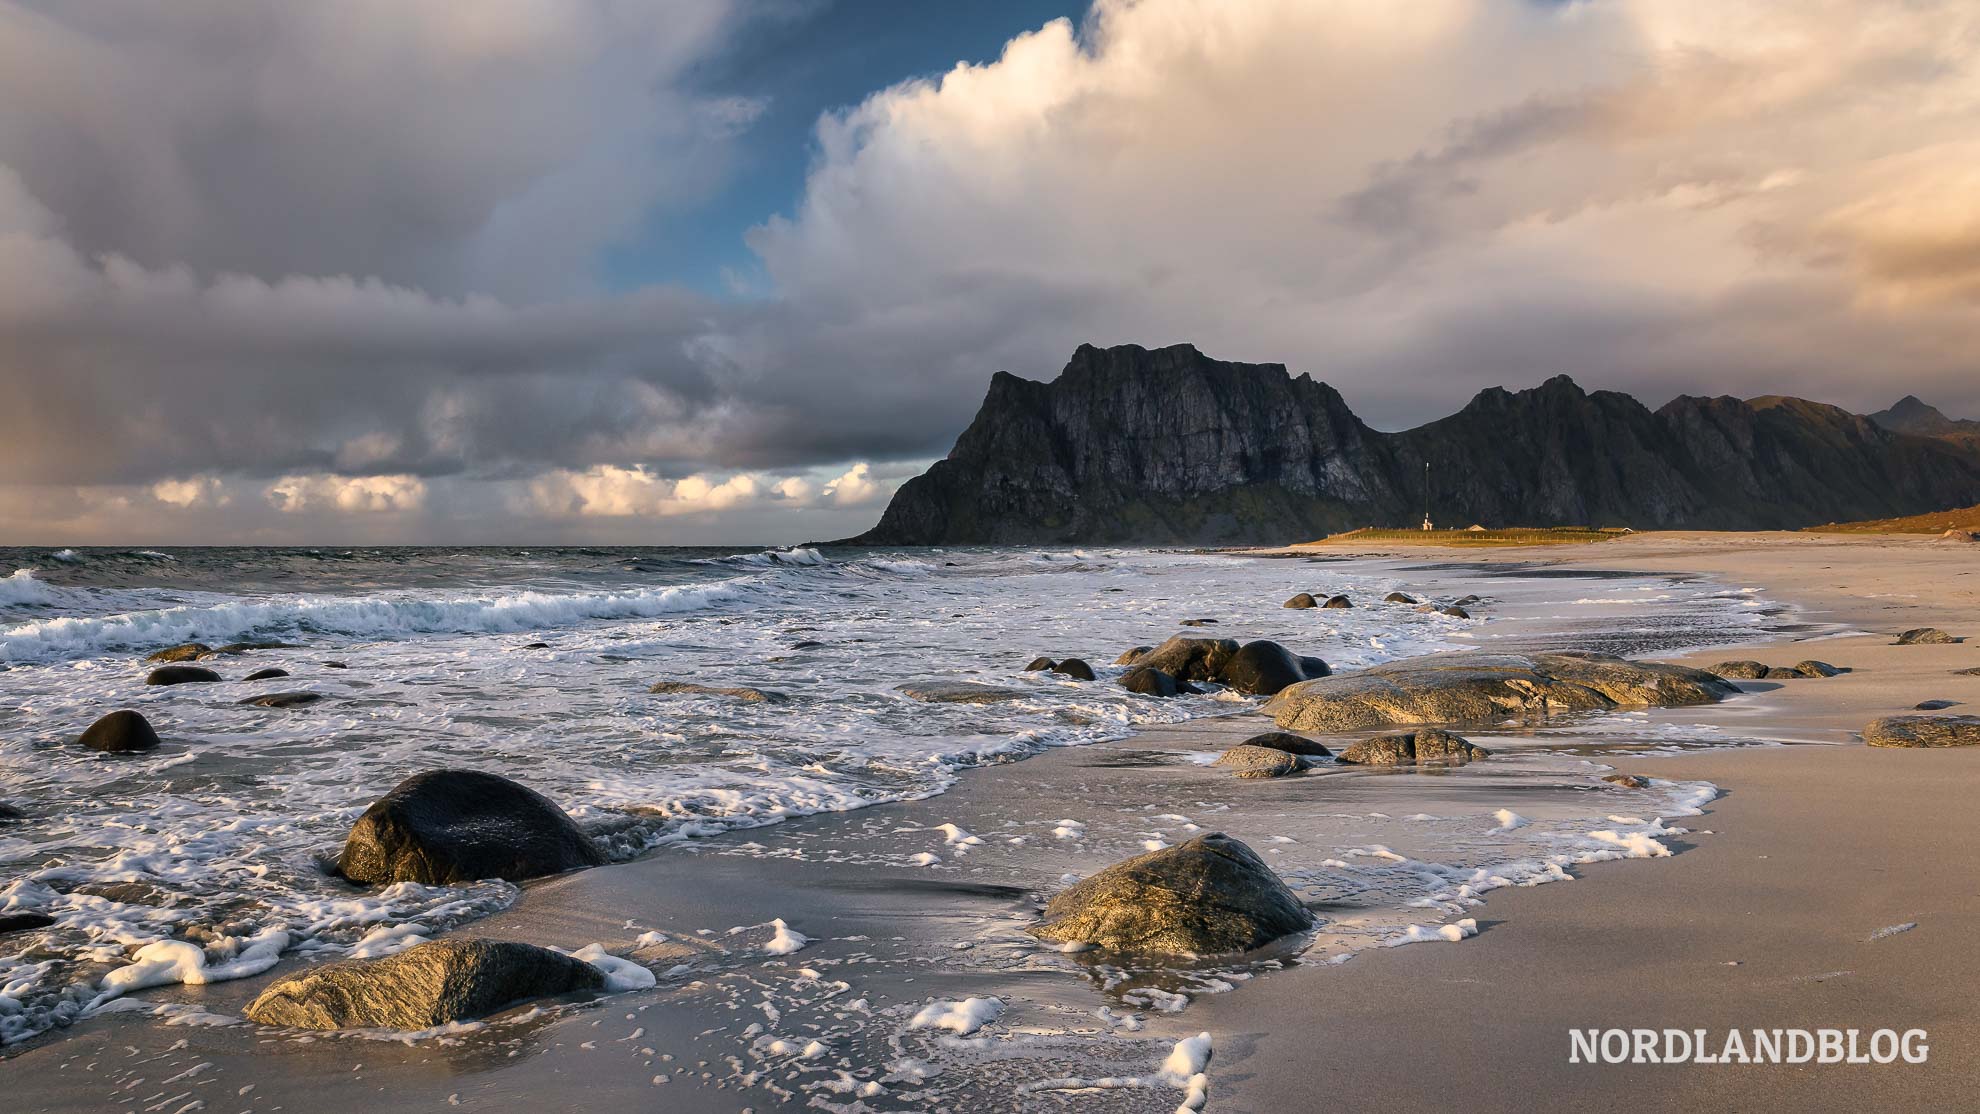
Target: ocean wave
(23,588)
(361,616)
(66,556)
(772,558)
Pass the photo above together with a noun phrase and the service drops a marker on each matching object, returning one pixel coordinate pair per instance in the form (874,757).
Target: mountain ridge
(1167,446)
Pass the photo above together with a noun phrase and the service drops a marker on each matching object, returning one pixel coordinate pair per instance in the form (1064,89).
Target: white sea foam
(23,588)
(963,1018)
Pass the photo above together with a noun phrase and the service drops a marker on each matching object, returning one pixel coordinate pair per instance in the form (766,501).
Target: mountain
(1910,415)
(1133,445)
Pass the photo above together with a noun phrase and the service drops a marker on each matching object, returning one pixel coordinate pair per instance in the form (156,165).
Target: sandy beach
(1780,908)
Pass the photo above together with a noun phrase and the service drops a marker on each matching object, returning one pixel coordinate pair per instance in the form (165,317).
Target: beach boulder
(1925,636)
(957,692)
(282,700)
(688,688)
(1923,731)
(422,987)
(123,732)
(1075,668)
(1812,668)
(1288,742)
(1742,670)
(1258,762)
(1040,665)
(268,674)
(1412,748)
(1627,781)
(1486,688)
(180,675)
(443,827)
(185,651)
(1301,602)
(1973,672)
(1210,895)
(1132,655)
(1399,597)
(1338,602)
(1190,659)
(1934,705)
(1149,681)
(1262,668)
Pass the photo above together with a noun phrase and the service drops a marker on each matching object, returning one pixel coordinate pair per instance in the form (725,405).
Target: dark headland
(1168,446)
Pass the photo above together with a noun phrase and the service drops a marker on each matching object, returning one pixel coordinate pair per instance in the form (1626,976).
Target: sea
(536,663)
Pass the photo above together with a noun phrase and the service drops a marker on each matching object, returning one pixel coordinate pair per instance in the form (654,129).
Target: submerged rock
(1454,611)
(335,665)
(1934,705)
(1288,742)
(180,675)
(23,921)
(1923,731)
(122,732)
(1413,748)
(422,987)
(957,692)
(1398,597)
(1207,896)
(1259,762)
(243,647)
(187,651)
(1075,668)
(282,699)
(1149,681)
(1131,656)
(1301,601)
(442,827)
(1198,623)
(1040,665)
(1627,781)
(746,695)
(1487,688)
(1338,602)
(1925,636)
(1742,670)
(268,674)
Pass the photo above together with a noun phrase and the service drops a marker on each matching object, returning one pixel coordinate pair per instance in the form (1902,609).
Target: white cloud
(192,491)
(347,494)
(856,487)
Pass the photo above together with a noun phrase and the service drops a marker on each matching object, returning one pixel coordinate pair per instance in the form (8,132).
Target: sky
(728,271)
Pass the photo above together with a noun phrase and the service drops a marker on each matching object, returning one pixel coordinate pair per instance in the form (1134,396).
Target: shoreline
(860,895)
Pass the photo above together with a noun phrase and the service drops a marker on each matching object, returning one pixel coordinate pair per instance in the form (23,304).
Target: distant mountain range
(1133,445)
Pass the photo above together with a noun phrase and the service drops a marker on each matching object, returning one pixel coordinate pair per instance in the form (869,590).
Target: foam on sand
(963,1018)
(168,962)
(620,974)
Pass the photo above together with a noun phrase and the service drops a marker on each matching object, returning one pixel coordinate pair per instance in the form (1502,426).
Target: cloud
(355,256)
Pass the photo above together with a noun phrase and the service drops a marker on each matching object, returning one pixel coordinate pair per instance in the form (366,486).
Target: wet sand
(1813,850)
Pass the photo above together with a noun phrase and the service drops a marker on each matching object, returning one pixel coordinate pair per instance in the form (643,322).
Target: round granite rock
(1923,731)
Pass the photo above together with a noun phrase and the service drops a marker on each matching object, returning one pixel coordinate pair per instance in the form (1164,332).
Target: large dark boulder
(1414,748)
(180,675)
(1149,682)
(1040,665)
(122,732)
(1132,655)
(267,674)
(1923,731)
(1925,636)
(1301,602)
(1399,597)
(1487,688)
(1338,602)
(1263,668)
(1190,659)
(422,987)
(1210,895)
(448,826)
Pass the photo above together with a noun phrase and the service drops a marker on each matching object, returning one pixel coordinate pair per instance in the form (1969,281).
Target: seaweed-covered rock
(1925,636)
(1487,688)
(957,692)
(422,987)
(443,827)
(1075,668)
(180,675)
(282,700)
(120,732)
(1259,762)
(1742,670)
(1301,602)
(1288,742)
(1209,895)
(688,688)
(1923,731)
(1412,748)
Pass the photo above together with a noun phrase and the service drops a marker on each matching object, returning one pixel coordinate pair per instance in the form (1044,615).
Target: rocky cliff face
(1170,446)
